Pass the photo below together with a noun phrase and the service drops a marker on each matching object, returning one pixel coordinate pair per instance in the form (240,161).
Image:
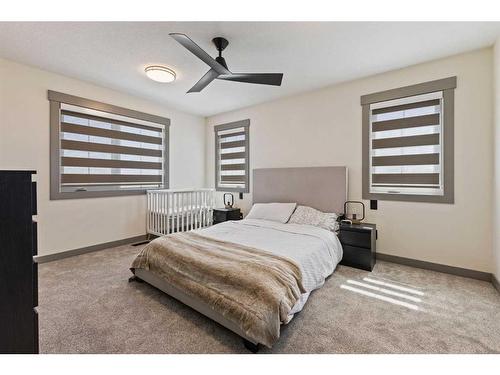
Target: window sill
(447,198)
(94,194)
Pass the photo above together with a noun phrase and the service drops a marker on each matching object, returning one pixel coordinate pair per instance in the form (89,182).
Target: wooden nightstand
(225,214)
(359,244)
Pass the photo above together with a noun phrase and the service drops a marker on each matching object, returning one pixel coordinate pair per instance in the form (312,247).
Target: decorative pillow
(279,212)
(310,216)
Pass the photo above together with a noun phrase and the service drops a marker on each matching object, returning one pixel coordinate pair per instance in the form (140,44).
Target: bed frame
(323,188)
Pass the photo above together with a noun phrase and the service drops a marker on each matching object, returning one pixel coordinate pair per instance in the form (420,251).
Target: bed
(252,276)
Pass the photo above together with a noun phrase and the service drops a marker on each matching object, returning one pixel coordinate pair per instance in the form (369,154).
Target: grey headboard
(323,188)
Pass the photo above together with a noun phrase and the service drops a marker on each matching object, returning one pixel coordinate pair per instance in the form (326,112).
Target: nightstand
(225,214)
(359,244)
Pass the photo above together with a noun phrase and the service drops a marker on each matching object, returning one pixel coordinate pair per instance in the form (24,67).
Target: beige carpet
(86,305)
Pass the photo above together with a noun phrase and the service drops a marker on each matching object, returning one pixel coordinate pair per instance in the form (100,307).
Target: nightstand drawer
(358,239)
(358,257)
(220,216)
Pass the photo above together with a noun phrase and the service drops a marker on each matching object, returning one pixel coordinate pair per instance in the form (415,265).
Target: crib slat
(195,207)
(200,212)
(197,218)
(166,213)
(181,211)
(210,207)
(209,204)
(202,219)
(184,211)
(172,213)
(151,213)
(213,205)
(160,207)
(154,211)
(163,215)
(204,208)
(157,213)
(148,210)
(198,208)
(181,203)
(190,212)
(169,212)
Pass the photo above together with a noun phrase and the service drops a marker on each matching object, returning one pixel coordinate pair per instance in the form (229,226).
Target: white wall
(24,144)
(496,172)
(324,128)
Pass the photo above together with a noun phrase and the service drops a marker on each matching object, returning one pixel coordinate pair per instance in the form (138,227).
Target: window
(408,143)
(231,156)
(102,150)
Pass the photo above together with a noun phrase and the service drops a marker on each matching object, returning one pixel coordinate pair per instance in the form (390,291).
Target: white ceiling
(310,54)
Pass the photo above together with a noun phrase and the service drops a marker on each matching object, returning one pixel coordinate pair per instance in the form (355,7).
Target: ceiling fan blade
(204,81)
(199,52)
(273,79)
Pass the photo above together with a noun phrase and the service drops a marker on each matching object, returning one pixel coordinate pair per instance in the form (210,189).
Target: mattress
(315,250)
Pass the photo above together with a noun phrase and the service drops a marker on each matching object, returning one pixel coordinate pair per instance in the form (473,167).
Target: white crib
(170,211)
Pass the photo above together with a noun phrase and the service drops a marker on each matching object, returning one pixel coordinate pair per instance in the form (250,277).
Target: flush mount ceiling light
(160,73)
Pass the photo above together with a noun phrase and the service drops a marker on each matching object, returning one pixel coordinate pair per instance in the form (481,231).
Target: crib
(170,211)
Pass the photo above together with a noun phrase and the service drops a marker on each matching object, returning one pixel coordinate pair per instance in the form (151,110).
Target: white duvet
(317,251)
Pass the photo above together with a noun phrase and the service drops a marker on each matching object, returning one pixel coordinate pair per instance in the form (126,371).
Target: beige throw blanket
(254,289)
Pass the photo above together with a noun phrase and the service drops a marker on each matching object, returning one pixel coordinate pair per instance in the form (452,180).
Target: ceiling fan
(218,66)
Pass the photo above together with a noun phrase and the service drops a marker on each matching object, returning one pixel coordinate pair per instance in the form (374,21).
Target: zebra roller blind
(102,152)
(232,156)
(408,143)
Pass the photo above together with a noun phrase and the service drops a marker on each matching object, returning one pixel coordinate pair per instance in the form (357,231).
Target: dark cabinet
(359,245)
(225,214)
(18,271)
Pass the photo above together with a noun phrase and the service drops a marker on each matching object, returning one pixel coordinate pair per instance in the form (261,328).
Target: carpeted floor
(86,305)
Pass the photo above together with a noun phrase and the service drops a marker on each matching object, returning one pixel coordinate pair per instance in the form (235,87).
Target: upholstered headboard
(323,188)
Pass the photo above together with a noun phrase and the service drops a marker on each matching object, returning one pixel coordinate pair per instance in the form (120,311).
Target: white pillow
(279,212)
(310,216)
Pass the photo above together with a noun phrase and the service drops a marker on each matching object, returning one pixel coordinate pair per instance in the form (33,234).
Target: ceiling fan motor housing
(220,43)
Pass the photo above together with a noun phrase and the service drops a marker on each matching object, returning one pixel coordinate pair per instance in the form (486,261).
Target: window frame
(228,126)
(447,87)
(58,98)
